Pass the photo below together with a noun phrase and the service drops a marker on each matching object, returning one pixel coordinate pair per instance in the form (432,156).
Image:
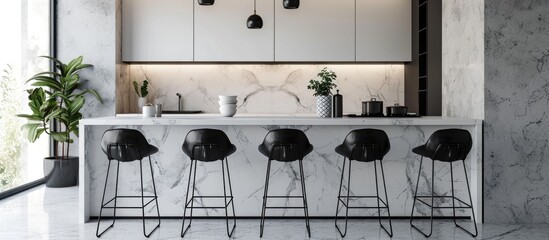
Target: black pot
(397,111)
(206,2)
(372,108)
(61,172)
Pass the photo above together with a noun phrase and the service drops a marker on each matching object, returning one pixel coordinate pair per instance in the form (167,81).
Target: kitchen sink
(182,112)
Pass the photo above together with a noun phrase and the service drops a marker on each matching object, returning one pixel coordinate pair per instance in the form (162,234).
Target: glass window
(25,26)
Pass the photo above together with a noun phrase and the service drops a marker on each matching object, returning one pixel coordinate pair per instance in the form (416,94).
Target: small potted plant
(142,93)
(58,98)
(323,91)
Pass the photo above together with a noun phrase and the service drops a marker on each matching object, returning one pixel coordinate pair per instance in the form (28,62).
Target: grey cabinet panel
(221,33)
(319,30)
(384,30)
(159,30)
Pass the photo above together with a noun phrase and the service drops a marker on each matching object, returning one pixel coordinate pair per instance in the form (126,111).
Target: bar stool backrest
(124,144)
(286,144)
(367,144)
(449,144)
(207,145)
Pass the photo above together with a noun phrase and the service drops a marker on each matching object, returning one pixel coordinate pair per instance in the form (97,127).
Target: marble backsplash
(261,88)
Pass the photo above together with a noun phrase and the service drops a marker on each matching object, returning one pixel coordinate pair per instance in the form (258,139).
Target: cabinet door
(221,33)
(159,30)
(318,31)
(384,30)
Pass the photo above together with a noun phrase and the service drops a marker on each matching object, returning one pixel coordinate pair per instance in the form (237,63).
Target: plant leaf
(31,130)
(59,136)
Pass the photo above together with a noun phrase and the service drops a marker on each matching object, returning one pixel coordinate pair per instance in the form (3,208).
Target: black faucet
(178,102)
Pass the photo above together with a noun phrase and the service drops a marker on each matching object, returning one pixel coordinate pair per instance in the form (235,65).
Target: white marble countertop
(271,119)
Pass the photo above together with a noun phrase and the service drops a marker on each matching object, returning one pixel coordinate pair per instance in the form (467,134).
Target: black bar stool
(285,145)
(448,145)
(208,145)
(364,145)
(127,145)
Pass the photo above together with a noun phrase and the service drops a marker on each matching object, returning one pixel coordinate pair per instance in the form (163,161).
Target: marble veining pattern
(88,28)
(51,213)
(516,104)
(463,58)
(248,166)
(265,88)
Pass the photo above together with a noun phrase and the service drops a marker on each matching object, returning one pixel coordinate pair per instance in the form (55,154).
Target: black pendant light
(291,4)
(206,2)
(254,21)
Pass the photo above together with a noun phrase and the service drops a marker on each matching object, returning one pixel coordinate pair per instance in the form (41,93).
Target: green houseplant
(57,98)
(142,93)
(323,91)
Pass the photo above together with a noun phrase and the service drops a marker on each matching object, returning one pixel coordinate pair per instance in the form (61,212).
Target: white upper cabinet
(159,30)
(384,30)
(221,33)
(319,30)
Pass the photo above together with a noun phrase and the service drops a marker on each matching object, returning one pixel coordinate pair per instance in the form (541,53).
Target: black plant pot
(291,4)
(206,2)
(61,173)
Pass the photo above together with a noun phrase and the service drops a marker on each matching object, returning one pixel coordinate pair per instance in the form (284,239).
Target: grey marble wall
(265,88)
(463,58)
(516,104)
(89,28)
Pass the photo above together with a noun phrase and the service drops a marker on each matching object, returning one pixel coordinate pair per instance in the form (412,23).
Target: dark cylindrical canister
(337,105)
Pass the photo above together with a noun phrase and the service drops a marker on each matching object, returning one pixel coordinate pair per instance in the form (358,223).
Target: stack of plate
(227,105)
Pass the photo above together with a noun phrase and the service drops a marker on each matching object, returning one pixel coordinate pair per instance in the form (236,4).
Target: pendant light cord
(254,6)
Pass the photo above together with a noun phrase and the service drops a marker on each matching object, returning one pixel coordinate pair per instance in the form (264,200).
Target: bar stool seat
(449,146)
(208,145)
(443,145)
(285,145)
(127,145)
(364,145)
(200,143)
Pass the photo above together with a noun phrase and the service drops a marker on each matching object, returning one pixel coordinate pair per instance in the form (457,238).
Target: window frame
(53,147)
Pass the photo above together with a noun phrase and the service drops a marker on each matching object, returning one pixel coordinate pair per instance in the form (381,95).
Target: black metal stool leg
(116,191)
(183,229)
(143,202)
(154,189)
(415,193)
(97,234)
(306,209)
(339,199)
(453,196)
(432,198)
(229,233)
(264,208)
(347,200)
(471,201)
(390,233)
(231,192)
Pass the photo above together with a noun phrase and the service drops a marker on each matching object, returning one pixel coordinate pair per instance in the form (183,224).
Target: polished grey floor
(46,213)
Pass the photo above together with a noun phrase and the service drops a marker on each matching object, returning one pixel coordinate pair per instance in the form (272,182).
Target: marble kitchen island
(322,167)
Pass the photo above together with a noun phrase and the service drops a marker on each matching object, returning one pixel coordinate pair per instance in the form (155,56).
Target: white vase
(324,106)
(140,103)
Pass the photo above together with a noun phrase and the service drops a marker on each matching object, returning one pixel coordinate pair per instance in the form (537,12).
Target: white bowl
(227,112)
(224,102)
(227,98)
(227,107)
